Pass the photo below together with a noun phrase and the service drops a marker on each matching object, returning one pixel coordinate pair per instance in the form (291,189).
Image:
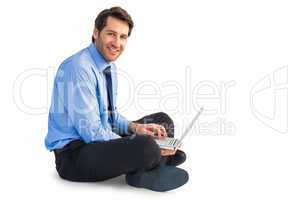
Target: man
(90,139)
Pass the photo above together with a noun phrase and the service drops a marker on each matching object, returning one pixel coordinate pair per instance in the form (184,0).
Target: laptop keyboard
(167,142)
(171,142)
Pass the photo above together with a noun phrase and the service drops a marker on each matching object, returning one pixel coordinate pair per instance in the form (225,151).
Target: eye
(124,37)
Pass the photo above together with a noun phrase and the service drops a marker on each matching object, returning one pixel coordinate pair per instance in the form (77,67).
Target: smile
(113,50)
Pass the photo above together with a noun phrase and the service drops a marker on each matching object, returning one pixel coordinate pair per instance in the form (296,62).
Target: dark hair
(117,12)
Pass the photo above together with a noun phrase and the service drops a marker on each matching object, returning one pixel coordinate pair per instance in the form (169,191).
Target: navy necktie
(107,73)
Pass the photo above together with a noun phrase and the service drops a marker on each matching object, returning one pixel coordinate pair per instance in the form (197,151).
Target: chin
(113,58)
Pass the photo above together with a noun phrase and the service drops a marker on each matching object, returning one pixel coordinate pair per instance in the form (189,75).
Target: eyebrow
(109,30)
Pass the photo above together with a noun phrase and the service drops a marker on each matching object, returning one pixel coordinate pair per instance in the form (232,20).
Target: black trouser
(103,160)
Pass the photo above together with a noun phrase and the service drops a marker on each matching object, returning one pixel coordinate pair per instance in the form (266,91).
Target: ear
(95,33)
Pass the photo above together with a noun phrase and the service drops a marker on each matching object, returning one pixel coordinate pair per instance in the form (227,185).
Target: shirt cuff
(123,126)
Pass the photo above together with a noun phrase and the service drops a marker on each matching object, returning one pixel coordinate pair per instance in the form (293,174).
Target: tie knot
(107,70)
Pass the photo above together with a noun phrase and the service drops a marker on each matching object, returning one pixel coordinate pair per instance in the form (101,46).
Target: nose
(117,42)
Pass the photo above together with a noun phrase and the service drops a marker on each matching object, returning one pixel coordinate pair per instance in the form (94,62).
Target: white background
(216,41)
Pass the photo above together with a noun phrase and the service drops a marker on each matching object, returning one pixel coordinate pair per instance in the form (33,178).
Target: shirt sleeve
(121,124)
(83,108)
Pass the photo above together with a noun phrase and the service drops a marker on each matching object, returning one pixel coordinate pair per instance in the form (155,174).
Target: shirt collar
(98,58)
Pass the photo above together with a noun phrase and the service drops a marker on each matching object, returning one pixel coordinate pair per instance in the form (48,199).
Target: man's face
(111,41)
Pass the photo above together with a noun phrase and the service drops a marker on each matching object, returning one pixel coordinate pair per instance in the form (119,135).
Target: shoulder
(80,60)
(79,64)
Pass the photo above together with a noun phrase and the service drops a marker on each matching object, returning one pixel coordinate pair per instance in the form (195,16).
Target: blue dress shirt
(79,104)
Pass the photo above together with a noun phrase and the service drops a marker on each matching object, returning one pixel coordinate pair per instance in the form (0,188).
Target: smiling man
(112,40)
(90,139)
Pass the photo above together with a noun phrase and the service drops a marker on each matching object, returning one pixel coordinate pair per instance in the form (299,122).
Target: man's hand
(167,152)
(155,130)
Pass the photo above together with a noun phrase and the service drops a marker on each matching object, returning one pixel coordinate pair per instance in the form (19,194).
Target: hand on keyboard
(154,130)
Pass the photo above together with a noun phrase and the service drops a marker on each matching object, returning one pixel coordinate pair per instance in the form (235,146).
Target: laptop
(173,143)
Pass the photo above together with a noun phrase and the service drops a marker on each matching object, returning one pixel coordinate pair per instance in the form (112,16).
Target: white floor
(220,167)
